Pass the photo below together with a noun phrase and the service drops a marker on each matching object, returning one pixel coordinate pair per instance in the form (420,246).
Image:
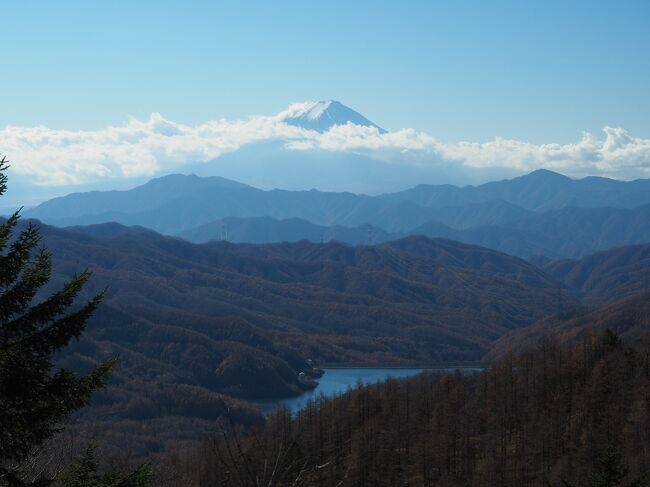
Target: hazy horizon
(284,151)
(467,93)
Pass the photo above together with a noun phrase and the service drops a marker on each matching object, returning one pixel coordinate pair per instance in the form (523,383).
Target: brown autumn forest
(177,312)
(564,400)
(277,305)
(551,416)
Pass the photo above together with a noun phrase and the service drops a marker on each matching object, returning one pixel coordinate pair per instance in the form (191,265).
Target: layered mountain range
(274,306)
(199,327)
(221,293)
(542,213)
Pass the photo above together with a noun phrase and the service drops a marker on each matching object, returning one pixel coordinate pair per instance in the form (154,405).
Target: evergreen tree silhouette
(34,396)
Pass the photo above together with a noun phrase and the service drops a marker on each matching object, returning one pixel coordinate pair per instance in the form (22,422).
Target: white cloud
(138,148)
(350,137)
(154,146)
(618,155)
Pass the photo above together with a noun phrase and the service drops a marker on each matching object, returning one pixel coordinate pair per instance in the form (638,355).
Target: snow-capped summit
(321,115)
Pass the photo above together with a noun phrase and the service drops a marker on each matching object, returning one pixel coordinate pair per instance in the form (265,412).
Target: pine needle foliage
(35,396)
(84,473)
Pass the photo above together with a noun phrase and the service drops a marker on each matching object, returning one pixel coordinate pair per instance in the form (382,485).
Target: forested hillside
(551,416)
(271,230)
(416,299)
(198,328)
(629,318)
(605,276)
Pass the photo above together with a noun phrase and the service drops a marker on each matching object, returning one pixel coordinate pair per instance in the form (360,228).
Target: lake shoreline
(337,380)
(424,366)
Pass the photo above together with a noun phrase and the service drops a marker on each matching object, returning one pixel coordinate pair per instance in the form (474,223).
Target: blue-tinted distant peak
(545,175)
(322,115)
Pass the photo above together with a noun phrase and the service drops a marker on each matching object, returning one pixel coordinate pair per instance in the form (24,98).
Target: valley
(234,311)
(229,323)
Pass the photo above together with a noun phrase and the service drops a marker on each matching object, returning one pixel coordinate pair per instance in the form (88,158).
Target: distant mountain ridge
(567,232)
(542,213)
(538,191)
(146,197)
(269,230)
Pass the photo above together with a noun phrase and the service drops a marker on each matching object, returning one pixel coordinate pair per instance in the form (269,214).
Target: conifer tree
(611,471)
(83,473)
(34,396)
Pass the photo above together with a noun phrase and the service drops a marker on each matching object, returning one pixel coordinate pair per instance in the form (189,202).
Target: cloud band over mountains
(148,147)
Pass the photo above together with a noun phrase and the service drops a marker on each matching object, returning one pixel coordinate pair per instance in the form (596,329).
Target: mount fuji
(272,163)
(322,145)
(323,115)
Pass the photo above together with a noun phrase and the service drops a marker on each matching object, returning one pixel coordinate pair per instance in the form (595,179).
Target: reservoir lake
(338,380)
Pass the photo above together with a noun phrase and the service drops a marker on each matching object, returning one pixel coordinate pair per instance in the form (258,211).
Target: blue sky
(538,71)
(100,95)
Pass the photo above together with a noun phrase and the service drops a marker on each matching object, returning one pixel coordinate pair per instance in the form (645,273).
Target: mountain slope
(414,299)
(606,276)
(489,213)
(629,318)
(270,230)
(571,416)
(195,325)
(146,197)
(569,232)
